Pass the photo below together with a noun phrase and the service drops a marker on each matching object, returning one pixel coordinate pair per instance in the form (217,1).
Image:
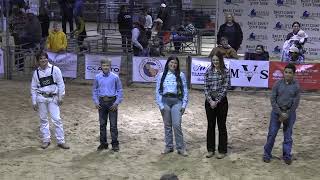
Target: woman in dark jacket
(259,54)
(232,31)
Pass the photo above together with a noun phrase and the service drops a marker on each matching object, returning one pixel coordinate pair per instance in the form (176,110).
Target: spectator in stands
(148,22)
(295,56)
(44,21)
(31,34)
(285,99)
(172,99)
(66,10)
(80,32)
(125,27)
(259,54)
(183,34)
(297,38)
(232,31)
(164,16)
(225,49)
(47,93)
(156,42)
(107,94)
(57,40)
(139,40)
(216,83)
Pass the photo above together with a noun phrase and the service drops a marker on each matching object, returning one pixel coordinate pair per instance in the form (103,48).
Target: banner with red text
(308,75)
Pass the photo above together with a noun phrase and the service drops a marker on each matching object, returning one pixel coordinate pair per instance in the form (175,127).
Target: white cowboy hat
(293,48)
(158,20)
(163,5)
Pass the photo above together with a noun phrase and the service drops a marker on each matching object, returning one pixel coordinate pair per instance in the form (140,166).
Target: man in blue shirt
(107,95)
(285,99)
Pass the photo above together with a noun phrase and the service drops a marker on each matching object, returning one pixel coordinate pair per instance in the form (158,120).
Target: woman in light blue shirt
(172,99)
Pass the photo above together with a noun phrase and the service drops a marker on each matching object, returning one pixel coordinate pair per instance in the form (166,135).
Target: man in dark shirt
(284,100)
(125,27)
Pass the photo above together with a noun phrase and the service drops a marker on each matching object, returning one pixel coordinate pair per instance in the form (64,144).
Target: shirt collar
(48,66)
(105,74)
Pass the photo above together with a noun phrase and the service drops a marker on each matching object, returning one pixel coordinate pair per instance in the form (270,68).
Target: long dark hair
(222,66)
(176,73)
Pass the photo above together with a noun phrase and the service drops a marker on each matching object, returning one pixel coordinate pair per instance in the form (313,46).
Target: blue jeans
(172,118)
(287,132)
(103,119)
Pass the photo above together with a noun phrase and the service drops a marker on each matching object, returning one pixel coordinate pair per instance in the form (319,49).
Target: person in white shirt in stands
(47,92)
(148,23)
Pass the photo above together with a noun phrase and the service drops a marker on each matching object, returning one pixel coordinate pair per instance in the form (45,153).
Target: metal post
(7,58)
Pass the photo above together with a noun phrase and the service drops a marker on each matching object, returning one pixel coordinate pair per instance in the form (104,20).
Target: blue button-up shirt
(107,85)
(170,86)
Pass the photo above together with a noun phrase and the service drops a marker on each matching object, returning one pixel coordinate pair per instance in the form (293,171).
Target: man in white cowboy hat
(164,16)
(295,56)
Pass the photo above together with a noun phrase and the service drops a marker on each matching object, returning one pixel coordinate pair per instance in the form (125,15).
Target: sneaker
(115,148)
(63,146)
(183,153)
(45,145)
(221,155)
(288,161)
(210,154)
(102,147)
(266,160)
(167,151)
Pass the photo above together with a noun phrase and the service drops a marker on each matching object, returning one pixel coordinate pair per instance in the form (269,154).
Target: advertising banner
(308,75)
(146,69)
(246,73)
(67,62)
(93,64)
(268,22)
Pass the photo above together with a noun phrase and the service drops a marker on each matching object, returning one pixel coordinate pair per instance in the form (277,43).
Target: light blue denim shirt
(170,86)
(107,85)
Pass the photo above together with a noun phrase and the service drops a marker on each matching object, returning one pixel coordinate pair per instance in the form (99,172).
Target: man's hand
(213,104)
(283,117)
(98,106)
(114,107)
(182,110)
(60,102)
(35,107)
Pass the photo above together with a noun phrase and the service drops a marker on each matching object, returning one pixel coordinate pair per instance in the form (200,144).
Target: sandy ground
(141,139)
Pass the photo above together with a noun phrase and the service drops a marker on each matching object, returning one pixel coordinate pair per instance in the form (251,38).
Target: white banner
(1,62)
(146,69)
(267,22)
(199,67)
(67,62)
(93,64)
(246,73)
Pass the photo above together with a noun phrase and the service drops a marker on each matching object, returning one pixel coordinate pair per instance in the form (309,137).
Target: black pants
(126,40)
(67,16)
(219,114)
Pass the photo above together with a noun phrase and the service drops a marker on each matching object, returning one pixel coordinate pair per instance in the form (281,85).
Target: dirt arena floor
(141,139)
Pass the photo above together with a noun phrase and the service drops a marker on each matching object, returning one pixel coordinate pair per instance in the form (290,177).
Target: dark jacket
(124,22)
(164,16)
(234,43)
(254,56)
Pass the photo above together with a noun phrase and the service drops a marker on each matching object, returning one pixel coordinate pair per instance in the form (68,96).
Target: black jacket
(235,43)
(124,22)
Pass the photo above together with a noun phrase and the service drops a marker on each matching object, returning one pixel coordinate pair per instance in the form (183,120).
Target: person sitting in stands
(183,34)
(57,40)
(259,54)
(225,49)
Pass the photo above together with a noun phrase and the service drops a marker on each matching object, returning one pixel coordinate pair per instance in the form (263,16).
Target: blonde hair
(105,61)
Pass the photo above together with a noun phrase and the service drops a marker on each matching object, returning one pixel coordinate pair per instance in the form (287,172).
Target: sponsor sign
(146,69)
(308,75)
(93,64)
(67,63)
(247,73)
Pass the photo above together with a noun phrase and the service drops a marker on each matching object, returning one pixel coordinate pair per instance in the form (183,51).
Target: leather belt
(46,95)
(171,95)
(108,98)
